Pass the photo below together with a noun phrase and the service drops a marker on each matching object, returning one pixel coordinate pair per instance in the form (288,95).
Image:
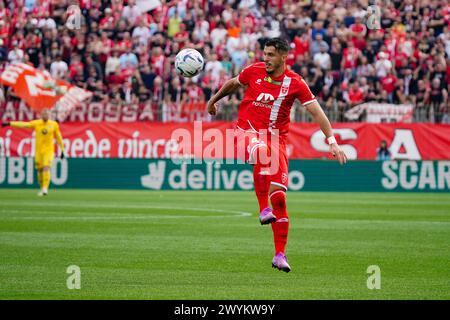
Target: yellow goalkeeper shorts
(43,159)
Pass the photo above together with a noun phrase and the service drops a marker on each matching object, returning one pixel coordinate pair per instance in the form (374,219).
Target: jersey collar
(275,80)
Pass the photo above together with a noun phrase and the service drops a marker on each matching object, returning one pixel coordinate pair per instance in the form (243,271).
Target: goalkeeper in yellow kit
(46,130)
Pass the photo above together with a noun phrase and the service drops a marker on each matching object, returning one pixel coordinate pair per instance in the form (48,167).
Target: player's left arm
(59,140)
(308,100)
(20,124)
(320,117)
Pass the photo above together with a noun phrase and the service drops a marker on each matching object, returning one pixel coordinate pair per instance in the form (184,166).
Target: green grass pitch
(209,245)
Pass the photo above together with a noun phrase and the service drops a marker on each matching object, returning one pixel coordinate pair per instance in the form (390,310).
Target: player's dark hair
(280,44)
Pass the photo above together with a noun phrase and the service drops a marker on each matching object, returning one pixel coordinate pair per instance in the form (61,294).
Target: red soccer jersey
(359,28)
(350,57)
(267,101)
(388,83)
(355,96)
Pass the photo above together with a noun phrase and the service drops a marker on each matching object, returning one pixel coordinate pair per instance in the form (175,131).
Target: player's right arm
(19,124)
(228,88)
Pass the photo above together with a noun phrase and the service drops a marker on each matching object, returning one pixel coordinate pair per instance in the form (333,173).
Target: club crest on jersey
(258,81)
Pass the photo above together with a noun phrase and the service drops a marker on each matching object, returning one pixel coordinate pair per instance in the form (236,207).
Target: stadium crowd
(125,56)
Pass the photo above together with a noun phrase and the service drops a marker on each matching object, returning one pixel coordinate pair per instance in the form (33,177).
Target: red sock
(261,181)
(280,227)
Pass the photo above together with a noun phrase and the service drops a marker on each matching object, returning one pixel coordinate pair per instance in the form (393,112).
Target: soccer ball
(189,63)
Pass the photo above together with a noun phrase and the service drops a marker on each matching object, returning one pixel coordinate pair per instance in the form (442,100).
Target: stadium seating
(125,57)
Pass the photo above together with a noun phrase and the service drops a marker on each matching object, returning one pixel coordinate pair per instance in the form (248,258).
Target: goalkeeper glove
(5,124)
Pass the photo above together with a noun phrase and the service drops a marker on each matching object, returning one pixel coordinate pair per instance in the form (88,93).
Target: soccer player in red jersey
(270,91)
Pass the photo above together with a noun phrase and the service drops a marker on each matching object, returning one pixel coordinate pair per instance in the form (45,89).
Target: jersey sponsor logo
(264,100)
(265,97)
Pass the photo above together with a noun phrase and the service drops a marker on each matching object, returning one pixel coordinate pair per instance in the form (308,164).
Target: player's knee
(278,200)
(260,154)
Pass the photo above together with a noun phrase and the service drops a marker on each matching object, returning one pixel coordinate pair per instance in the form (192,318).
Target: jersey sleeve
(23,124)
(244,77)
(58,136)
(304,94)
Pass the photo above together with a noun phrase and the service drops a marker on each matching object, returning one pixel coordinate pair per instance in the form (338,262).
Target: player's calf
(280,227)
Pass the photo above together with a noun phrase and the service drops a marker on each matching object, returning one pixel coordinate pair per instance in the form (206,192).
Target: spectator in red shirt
(158,60)
(75,65)
(350,58)
(125,44)
(355,94)
(388,84)
(108,22)
(358,29)
(4,32)
(217,7)
(301,42)
(5,14)
(399,57)
(116,78)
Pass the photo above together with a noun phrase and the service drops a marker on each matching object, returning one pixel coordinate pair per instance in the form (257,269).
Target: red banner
(39,90)
(34,86)
(165,140)
(108,112)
